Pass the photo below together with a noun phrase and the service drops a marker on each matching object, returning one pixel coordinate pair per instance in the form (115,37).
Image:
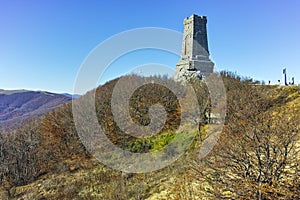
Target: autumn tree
(257,156)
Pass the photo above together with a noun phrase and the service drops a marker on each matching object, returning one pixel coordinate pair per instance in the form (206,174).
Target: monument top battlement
(196,16)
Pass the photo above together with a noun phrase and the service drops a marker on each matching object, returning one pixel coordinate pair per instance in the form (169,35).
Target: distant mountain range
(17,106)
(73,96)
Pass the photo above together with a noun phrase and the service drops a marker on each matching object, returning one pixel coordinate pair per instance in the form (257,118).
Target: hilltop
(46,160)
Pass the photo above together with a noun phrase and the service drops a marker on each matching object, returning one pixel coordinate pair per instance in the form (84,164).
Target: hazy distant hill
(73,96)
(17,106)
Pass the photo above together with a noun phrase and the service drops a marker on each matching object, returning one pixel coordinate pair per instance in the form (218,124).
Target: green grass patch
(158,142)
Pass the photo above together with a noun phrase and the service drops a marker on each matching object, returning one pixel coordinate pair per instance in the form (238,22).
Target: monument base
(189,69)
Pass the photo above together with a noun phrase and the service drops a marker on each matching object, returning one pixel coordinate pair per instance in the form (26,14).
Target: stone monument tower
(194,60)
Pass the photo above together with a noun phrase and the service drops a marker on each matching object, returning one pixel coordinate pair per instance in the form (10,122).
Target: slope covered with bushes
(46,159)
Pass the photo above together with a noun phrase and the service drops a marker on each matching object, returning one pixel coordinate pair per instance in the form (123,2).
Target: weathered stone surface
(194,60)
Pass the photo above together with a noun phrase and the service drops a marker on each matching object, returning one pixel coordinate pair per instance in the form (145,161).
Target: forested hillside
(256,157)
(19,106)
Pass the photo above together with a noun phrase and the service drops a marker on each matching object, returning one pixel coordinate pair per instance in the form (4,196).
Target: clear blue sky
(43,43)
